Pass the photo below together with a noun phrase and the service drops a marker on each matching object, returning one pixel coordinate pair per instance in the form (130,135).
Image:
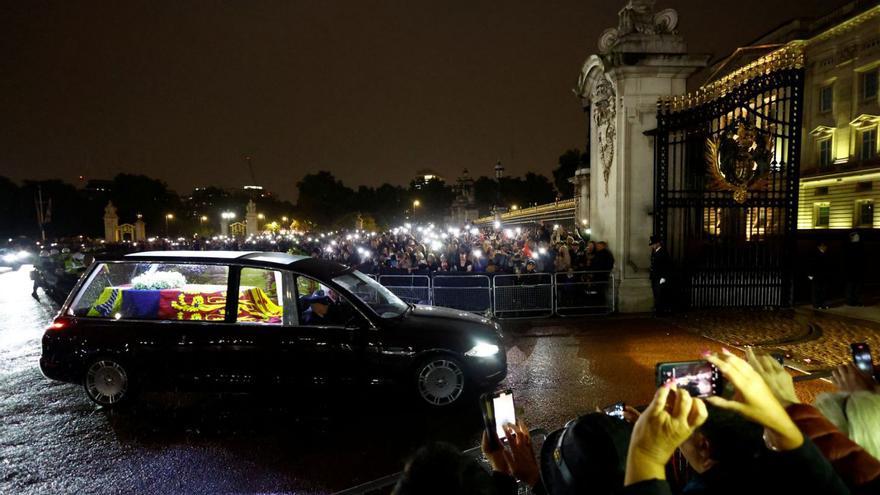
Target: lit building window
(825,153)
(821,215)
(864,213)
(869,85)
(868,144)
(826,98)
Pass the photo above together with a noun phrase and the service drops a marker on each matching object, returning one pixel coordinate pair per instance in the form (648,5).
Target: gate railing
(414,289)
(526,295)
(472,293)
(584,293)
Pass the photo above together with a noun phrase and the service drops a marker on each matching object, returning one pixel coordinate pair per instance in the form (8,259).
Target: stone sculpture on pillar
(251,218)
(111,223)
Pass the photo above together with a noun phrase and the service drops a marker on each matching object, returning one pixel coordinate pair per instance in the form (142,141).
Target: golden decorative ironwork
(790,56)
(741,161)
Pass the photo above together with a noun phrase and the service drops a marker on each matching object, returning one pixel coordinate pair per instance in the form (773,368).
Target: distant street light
(417,203)
(203,219)
(168,217)
(261,216)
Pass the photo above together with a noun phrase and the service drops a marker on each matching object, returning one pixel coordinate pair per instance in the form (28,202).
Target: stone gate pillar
(639,61)
(581,181)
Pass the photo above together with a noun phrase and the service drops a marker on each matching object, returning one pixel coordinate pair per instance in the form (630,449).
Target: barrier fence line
(525,295)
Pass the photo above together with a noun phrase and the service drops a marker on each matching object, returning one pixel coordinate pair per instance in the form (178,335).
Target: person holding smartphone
(790,464)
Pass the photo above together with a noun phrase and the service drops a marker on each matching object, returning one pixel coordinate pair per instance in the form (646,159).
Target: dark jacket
(820,266)
(854,261)
(800,471)
(661,265)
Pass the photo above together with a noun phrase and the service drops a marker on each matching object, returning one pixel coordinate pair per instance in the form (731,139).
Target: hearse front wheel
(440,380)
(107,382)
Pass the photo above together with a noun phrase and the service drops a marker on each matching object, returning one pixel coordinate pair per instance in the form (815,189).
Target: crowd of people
(760,440)
(409,250)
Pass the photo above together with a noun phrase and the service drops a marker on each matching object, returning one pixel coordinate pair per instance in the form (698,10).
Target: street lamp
(168,217)
(261,216)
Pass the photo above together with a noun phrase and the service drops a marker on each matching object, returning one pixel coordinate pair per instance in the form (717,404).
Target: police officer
(661,276)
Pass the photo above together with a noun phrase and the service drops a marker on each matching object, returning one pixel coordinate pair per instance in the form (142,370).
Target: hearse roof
(304,264)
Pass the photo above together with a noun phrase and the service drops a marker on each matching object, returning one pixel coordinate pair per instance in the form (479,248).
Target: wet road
(54,440)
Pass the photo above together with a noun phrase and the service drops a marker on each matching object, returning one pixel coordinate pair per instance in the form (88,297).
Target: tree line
(323,201)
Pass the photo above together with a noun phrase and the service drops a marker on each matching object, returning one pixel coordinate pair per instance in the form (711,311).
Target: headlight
(482,349)
(23,254)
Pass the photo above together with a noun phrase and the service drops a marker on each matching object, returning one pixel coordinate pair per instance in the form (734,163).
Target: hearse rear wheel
(440,380)
(107,382)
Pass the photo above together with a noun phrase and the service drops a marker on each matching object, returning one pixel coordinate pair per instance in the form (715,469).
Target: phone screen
(615,410)
(699,378)
(504,412)
(862,357)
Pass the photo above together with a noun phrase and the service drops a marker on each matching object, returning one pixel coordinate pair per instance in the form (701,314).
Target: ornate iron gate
(726,177)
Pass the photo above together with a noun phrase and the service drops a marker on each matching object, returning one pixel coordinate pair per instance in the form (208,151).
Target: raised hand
(756,401)
(774,375)
(659,430)
(519,454)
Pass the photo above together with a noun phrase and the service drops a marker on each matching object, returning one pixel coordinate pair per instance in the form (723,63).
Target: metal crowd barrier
(385,484)
(472,293)
(584,293)
(415,289)
(526,295)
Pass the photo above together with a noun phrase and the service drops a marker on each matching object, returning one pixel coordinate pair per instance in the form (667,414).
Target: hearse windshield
(380,299)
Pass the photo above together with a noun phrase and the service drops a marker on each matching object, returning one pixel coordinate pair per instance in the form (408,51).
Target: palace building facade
(840,152)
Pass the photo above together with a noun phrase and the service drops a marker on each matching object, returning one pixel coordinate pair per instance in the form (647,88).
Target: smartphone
(498,410)
(614,410)
(699,378)
(861,354)
(779,357)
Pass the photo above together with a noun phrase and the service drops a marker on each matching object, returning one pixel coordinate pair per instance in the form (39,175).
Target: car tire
(108,382)
(440,381)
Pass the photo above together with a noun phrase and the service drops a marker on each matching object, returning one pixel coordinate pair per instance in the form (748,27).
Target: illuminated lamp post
(168,218)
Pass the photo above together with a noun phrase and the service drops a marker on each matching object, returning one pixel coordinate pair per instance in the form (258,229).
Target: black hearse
(165,320)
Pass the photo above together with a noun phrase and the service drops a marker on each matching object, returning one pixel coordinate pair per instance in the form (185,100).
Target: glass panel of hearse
(155,291)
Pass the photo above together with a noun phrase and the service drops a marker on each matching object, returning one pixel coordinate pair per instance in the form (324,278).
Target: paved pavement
(53,440)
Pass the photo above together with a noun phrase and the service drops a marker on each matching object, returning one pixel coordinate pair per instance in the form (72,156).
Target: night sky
(370,90)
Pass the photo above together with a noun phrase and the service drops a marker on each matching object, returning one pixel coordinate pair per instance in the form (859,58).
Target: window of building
(825,153)
(864,186)
(864,213)
(869,85)
(868,144)
(260,299)
(154,291)
(821,215)
(826,98)
(821,191)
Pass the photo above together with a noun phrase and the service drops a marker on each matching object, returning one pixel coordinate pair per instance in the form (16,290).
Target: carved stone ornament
(110,210)
(638,17)
(741,161)
(604,99)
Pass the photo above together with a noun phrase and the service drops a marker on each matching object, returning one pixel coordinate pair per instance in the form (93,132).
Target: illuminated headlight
(9,258)
(482,349)
(23,254)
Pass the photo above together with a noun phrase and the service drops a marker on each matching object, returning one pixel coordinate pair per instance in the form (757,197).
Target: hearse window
(320,305)
(259,299)
(154,291)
